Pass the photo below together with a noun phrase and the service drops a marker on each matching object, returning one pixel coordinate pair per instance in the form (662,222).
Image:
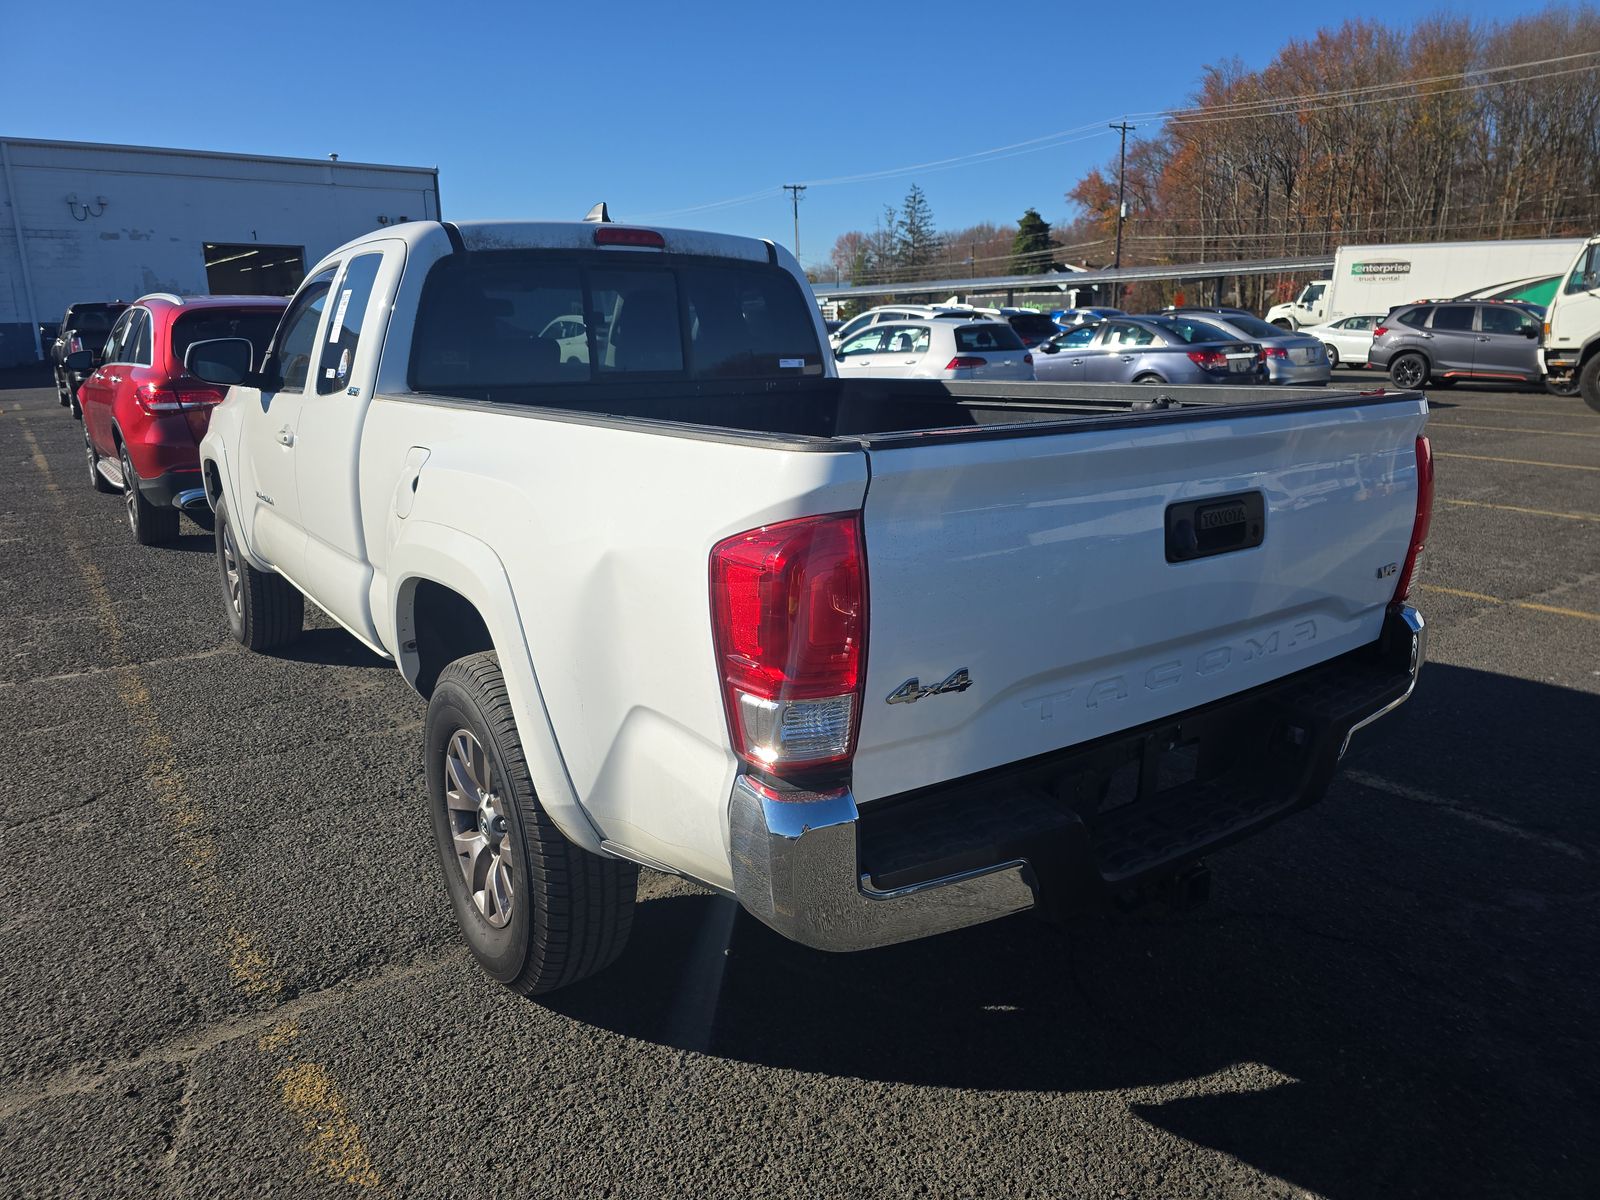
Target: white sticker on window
(791,362)
(337,324)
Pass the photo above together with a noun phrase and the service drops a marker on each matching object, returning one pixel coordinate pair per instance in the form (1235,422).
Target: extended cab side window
(344,329)
(295,342)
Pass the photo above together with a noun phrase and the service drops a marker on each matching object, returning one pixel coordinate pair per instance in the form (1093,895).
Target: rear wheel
(1282,324)
(1409,371)
(538,912)
(1589,382)
(100,482)
(1333,355)
(1149,377)
(152,526)
(265,611)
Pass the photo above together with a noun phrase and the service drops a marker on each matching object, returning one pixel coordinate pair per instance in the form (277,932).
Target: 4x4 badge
(912,690)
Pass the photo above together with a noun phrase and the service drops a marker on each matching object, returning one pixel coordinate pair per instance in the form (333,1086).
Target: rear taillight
(1419,527)
(163,397)
(962,362)
(616,235)
(1274,352)
(1211,360)
(789,621)
(1379,331)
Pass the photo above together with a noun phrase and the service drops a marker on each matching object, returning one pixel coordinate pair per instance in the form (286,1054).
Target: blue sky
(538,110)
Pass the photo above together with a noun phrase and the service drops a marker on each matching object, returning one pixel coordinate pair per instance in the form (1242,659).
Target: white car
(880,658)
(1348,339)
(942,347)
(896,312)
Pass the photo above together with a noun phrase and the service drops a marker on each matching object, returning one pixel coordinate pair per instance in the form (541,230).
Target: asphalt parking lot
(229,967)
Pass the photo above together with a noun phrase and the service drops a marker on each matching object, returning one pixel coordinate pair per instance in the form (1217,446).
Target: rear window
(499,320)
(1033,324)
(1453,316)
(993,336)
(1253,327)
(203,324)
(1192,332)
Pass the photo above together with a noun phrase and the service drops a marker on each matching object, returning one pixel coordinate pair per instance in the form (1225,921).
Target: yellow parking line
(1524,462)
(1432,425)
(1532,512)
(333,1139)
(1544,608)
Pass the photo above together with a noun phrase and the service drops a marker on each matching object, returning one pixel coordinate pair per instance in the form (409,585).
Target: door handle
(910,362)
(286,436)
(1429,336)
(1127,358)
(1077,362)
(1483,339)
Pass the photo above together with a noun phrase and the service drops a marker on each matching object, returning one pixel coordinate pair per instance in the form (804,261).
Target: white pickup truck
(879,658)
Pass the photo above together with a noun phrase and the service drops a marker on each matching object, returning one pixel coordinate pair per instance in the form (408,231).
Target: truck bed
(883,413)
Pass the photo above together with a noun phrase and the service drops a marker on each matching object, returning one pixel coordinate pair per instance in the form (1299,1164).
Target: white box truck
(1569,350)
(1373,279)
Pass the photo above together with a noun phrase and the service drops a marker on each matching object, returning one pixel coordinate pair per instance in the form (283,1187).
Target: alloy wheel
(232,578)
(130,492)
(478,827)
(1409,372)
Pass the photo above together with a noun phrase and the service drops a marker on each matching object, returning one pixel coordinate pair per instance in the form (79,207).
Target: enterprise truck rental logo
(1379,270)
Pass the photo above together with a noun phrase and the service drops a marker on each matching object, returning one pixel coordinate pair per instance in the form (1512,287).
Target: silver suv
(1448,340)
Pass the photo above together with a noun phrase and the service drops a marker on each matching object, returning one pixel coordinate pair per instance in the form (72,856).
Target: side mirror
(223,361)
(1529,331)
(1048,348)
(80,360)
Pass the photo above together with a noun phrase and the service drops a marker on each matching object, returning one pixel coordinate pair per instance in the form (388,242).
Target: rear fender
(466,565)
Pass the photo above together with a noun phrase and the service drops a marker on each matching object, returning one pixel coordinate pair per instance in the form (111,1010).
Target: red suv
(144,413)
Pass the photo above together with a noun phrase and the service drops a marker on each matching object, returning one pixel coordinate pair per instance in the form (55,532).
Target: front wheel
(1333,355)
(1562,387)
(537,912)
(1589,382)
(1409,371)
(265,611)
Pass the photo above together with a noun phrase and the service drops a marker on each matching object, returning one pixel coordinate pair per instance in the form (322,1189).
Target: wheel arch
(450,596)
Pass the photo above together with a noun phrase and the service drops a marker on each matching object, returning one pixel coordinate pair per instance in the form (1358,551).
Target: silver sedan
(1148,350)
(1293,358)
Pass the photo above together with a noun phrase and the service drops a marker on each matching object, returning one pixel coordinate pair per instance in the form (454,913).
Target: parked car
(1071,318)
(942,347)
(1149,350)
(1292,358)
(1446,342)
(144,411)
(84,327)
(701,605)
(1348,340)
(895,312)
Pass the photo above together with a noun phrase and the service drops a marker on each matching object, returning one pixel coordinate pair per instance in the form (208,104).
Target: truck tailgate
(1039,565)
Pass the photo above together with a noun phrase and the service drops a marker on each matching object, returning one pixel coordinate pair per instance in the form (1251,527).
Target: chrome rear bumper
(796,868)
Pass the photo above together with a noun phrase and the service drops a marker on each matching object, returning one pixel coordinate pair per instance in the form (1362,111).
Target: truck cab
(1569,348)
(1305,309)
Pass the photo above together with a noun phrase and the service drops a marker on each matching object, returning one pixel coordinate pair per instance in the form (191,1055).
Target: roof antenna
(599,215)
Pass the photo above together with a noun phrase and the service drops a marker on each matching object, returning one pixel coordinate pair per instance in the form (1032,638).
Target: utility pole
(1122,203)
(794,190)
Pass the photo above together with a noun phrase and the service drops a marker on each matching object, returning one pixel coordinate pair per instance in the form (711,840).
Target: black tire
(265,611)
(1333,355)
(1589,382)
(1149,377)
(77,406)
(151,526)
(1567,387)
(570,911)
(99,481)
(1408,371)
(1284,325)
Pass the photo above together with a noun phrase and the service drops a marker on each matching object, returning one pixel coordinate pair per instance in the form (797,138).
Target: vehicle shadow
(1415,972)
(330,648)
(192,541)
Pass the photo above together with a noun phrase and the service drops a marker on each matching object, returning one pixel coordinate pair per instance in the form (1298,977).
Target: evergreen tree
(1029,249)
(918,240)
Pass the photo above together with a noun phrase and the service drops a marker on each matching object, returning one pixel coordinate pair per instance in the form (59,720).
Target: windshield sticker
(791,362)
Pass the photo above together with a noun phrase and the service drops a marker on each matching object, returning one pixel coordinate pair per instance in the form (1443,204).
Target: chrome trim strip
(191,498)
(796,868)
(1413,621)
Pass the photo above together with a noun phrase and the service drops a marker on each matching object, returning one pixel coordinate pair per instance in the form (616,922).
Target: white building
(89,222)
